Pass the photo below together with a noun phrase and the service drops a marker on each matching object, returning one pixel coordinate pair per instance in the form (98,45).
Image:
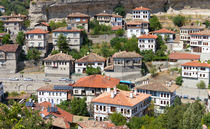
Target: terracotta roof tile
(121,98)
(50,88)
(97,81)
(116,27)
(124,54)
(196,64)
(37,31)
(44,23)
(205,32)
(78,14)
(183,56)
(9,47)
(92,57)
(141,8)
(147,36)
(59,57)
(163,31)
(103,14)
(158,86)
(136,22)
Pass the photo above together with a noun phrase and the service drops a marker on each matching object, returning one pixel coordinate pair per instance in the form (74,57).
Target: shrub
(179,80)
(201,85)
(123,87)
(91,71)
(118,119)
(179,20)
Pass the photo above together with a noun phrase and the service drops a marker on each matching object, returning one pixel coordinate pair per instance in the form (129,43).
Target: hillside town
(119,69)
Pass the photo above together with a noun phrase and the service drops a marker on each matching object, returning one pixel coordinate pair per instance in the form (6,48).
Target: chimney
(131,95)
(135,92)
(108,90)
(112,94)
(115,91)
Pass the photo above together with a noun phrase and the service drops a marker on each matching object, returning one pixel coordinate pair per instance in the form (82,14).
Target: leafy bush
(123,87)
(154,23)
(91,71)
(54,25)
(179,20)
(119,9)
(179,80)
(97,29)
(120,32)
(201,85)
(118,119)
(33,54)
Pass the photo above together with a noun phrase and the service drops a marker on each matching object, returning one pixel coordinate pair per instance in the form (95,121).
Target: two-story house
(109,19)
(141,13)
(126,61)
(78,20)
(74,37)
(147,42)
(91,60)
(128,103)
(93,85)
(163,94)
(42,25)
(9,55)
(54,93)
(137,28)
(195,71)
(186,30)
(59,64)
(38,39)
(2,9)
(1,91)
(167,35)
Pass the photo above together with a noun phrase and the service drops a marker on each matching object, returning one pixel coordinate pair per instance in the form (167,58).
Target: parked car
(14,79)
(46,80)
(65,79)
(27,79)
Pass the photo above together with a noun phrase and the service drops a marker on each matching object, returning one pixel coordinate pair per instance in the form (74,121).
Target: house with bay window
(167,35)
(141,13)
(128,103)
(147,42)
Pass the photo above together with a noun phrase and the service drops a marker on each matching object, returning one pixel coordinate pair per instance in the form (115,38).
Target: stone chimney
(112,94)
(108,90)
(115,91)
(131,95)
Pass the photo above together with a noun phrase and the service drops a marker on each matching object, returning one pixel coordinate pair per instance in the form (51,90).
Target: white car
(27,79)
(14,79)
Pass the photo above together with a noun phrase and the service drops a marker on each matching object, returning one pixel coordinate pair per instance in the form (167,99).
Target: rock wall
(50,9)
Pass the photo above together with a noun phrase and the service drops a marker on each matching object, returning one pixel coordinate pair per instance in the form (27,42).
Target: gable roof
(124,54)
(183,56)
(97,81)
(78,14)
(141,8)
(121,98)
(59,57)
(196,64)
(9,48)
(116,27)
(158,86)
(161,31)
(147,36)
(37,31)
(92,57)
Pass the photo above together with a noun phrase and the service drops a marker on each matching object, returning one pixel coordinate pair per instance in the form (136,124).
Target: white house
(54,93)
(116,20)
(163,94)
(42,25)
(127,103)
(208,100)
(141,13)
(137,28)
(93,85)
(74,37)
(167,35)
(38,39)
(2,9)
(147,42)
(186,30)
(59,64)
(1,91)
(109,19)
(92,60)
(195,71)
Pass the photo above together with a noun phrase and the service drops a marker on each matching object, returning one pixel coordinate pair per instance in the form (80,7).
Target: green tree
(123,87)
(153,71)
(1,27)
(201,85)
(147,54)
(65,105)
(79,107)
(207,23)
(6,39)
(206,120)
(132,45)
(179,80)
(92,71)
(154,23)
(118,119)
(20,39)
(54,25)
(179,20)
(135,123)
(119,9)
(33,54)
(106,50)
(177,101)
(54,52)
(120,32)
(161,47)
(26,23)
(62,43)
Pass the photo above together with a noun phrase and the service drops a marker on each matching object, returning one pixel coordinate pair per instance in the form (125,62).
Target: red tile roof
(163,31)
(116,27)
(44,23)
(121,98)
(9,47)
(37,31)
(97,81)
(141,8)
(92,57)
(148,36)
(78,14)
(136,22)
(124,54)
(183,56)
(104,14)
(196,64)
(59,57)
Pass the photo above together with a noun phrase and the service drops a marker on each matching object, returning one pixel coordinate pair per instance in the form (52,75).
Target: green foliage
(33,54)
(97,29)
(54,52)
(118,119)
(78,107)
(206,120)
(147,54)
(15,6)
(154,23)
(106,50)
(119,9)
(161,47)
(19,117)
(62,43)
(26,23)
(20,38)
(54,25)
(1,27)
(14,94)
(92,71)
(65,105)
(123,87)
(179,20)
(207,23)
(208,61)
(153,71)
(144,69)
(177,101)
(179,80)
(201,85)
(135,123)
(120,32)
(6,39)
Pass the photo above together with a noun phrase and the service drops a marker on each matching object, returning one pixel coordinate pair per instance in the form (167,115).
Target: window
(49,93)
(79,64)
(40,99)
(100,108)
(93,91)
(39,93)
(76,91)
(113,109)
(202,68)
(121,110)
(99,63)
(104,108)
(96,107)
(39,36)
(60,93)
